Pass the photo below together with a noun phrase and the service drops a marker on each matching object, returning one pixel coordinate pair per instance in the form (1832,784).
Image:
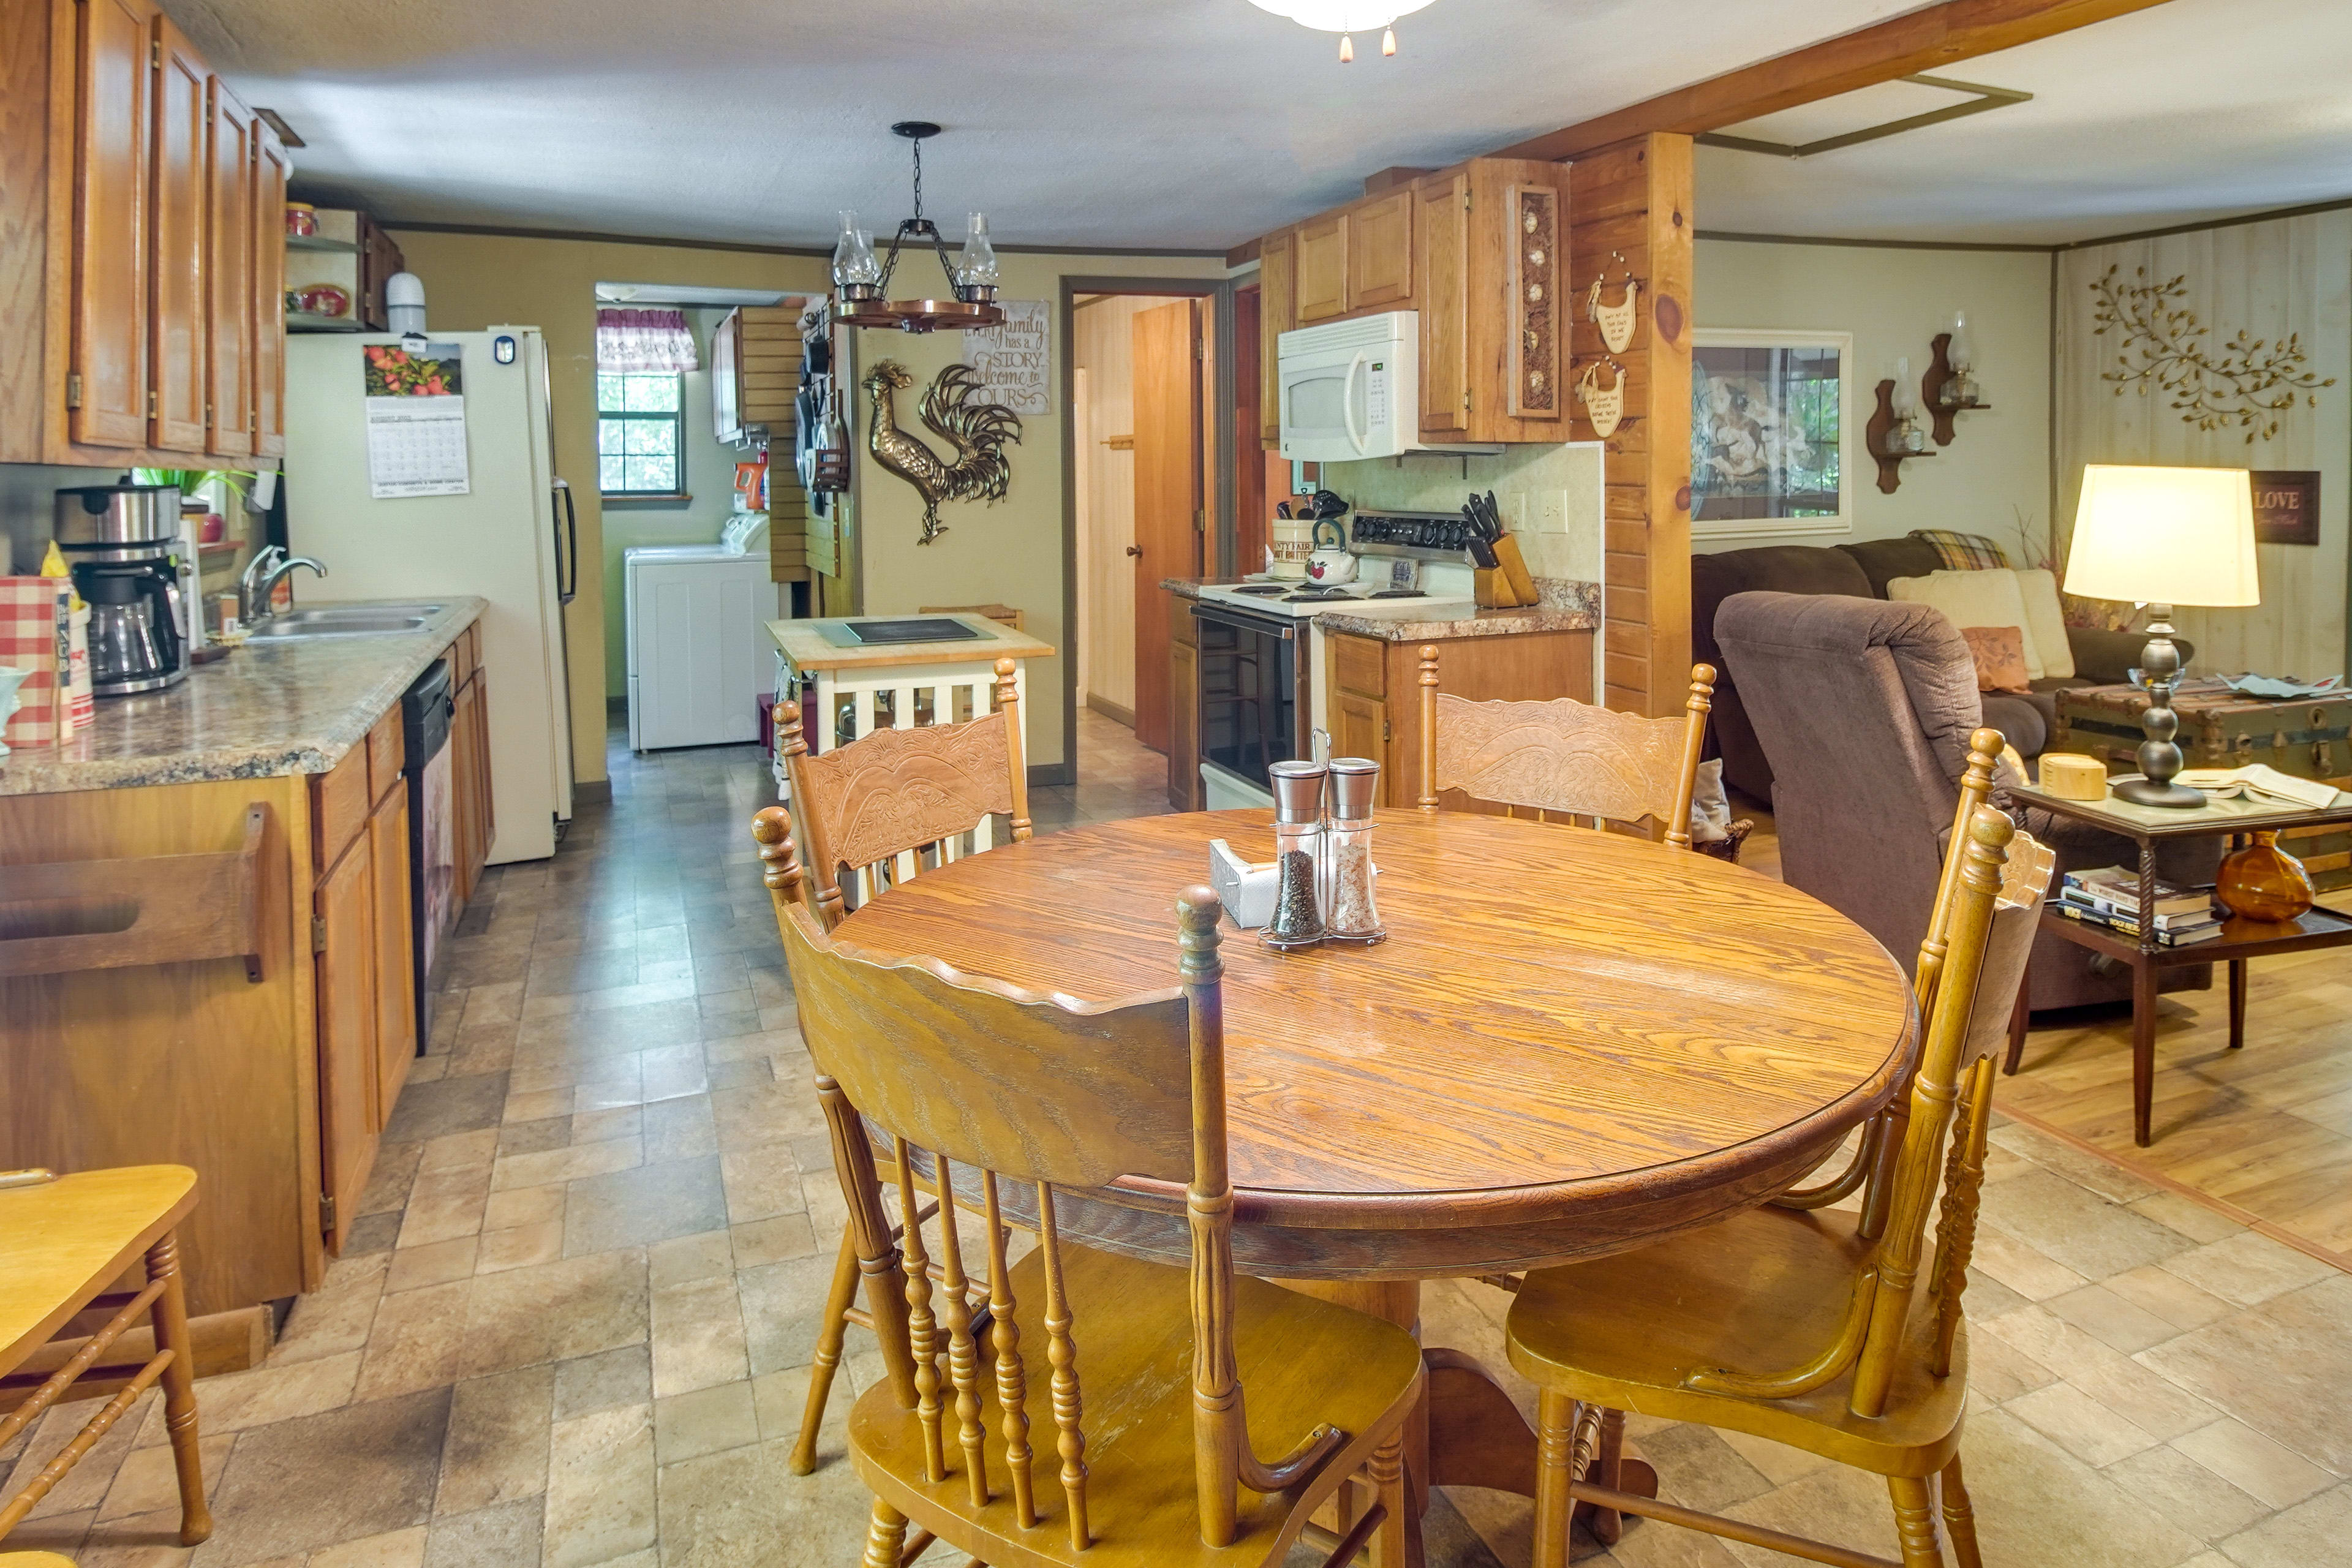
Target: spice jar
(1298,855)
(1349,913)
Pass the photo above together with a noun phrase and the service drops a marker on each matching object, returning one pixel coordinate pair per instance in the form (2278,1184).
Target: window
(1772,445)
(638,422)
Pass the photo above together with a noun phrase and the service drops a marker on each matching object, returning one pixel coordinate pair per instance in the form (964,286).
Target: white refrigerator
(510,538)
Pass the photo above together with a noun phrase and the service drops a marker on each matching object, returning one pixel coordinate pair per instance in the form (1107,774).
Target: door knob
(1135,550)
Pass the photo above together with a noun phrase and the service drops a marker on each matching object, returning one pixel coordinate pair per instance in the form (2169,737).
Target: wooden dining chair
(1793,1326)
(998,1098)
(63,1240)
(878,808)
(1563,755)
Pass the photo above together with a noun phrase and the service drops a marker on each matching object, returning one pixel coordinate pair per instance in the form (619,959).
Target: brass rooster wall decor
(979,431)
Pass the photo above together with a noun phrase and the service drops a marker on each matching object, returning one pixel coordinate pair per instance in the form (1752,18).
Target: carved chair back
(1019,1089)
(878,806)
(1564,755)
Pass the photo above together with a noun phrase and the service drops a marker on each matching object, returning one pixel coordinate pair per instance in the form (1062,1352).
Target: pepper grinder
(1297,920)
(1349,912)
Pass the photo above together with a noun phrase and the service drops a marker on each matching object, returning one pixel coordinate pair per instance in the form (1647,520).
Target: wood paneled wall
(1635,198)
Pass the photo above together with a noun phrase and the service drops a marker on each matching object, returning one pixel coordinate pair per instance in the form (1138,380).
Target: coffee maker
(123,544)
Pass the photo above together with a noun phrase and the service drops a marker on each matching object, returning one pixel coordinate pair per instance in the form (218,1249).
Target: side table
(2240,941)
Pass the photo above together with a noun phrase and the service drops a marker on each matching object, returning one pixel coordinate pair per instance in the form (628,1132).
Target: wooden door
(1166,385)
(1379,253)
(270,169)
(176,302)
(396,964)
(229,273)
(1277,312)
(107,392)
(1322,263)
(1442,248)
(344,938)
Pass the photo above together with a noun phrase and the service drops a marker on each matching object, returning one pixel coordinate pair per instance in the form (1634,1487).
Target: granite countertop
(1565,606)
(294,705)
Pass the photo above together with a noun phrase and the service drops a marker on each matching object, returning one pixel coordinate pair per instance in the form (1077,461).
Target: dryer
(699,652)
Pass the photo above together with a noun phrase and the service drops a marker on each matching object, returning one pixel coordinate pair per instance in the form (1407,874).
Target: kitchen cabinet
(1183,707)
(131,309)
(469,768)
(1374,705)
(348,250)
(342,939)
(396,983)
(1277,312)
(1478,250)
(1321,249)
(270,169)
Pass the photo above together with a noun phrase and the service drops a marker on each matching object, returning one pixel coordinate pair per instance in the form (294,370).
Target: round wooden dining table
(1572,1043)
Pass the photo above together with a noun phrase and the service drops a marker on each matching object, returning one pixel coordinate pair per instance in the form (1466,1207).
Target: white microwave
(1353,389)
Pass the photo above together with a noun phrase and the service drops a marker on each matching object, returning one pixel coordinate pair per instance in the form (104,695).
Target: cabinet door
(107,395)
(1277,312)
(270,169)
(1322,269)
(726,354)
(464,809)
(176,307)
(1183,726)
(1379,253)
(379,257)
(1442,247)
(1359,728)
(229,274)
(395,967)
(345,960)
(486,813)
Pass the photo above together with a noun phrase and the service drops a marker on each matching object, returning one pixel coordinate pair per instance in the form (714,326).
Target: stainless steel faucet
(248,598)
(269,579)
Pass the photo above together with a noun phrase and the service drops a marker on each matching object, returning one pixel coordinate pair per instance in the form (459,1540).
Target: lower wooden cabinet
(474,818)
(395,981)
(1374,708)
(343,944)
(1183,708)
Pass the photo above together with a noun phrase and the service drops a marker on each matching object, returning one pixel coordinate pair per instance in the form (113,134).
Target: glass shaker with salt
(1298,855)
(1349,913)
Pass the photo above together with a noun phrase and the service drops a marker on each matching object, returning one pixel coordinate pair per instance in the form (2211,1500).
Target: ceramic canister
(1293,544)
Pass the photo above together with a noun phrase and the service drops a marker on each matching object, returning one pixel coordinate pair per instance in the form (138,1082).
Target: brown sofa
(1862,570)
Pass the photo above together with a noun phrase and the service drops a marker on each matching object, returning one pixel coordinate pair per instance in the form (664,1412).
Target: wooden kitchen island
(204,945)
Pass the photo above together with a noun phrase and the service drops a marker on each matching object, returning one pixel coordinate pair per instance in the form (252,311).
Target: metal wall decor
(1534,383)
(2247,383)
(1615,321)
(1605,407)
(977,431)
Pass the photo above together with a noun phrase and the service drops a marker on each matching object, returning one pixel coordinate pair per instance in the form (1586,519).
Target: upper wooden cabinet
(1477,250)
(142,318)
(1277,312)
(269,171)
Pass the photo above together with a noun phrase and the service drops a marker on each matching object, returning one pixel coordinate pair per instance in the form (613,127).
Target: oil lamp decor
(1346,19)
(861,279)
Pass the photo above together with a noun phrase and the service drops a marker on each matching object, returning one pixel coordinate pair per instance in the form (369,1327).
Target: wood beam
(1922,41)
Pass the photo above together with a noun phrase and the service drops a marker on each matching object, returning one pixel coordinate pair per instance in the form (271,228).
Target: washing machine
(696,619)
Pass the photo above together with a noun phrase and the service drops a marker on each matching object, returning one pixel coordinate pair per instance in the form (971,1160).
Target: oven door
(1250,706)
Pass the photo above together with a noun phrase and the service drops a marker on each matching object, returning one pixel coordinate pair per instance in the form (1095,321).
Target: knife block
(1492,588)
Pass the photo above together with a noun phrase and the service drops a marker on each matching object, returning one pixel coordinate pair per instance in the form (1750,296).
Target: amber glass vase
(2264,882)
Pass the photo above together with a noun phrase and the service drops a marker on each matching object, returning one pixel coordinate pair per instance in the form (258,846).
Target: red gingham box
(35,633)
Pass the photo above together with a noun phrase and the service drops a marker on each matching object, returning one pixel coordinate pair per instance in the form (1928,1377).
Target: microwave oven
(1351,390)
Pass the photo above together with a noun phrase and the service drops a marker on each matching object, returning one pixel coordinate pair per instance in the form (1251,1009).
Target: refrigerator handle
(567,559)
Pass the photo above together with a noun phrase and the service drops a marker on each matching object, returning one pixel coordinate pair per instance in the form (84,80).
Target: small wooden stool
(63,1239)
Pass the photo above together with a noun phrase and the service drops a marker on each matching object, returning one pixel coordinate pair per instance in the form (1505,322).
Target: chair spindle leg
(1915,1522)
(1961,1517)
(170,1319)
(1556,1421)
(827,1360)
(886,1537)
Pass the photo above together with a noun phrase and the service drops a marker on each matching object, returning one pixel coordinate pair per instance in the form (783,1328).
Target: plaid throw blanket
(1962,552)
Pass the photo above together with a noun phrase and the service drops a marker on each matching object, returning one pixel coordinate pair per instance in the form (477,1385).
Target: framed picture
(2286,506)
(1774,433)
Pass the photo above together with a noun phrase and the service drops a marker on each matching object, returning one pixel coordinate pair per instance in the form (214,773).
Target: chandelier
(861,279)
(1346,19)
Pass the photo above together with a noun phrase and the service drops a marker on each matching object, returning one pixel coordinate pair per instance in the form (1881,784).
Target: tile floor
(574,1326)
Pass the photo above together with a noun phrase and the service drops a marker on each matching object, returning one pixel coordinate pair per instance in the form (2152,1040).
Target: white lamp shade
(1341,16)
(2164,536)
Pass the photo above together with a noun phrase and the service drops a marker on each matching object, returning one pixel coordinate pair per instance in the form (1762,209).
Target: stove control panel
(1417,535)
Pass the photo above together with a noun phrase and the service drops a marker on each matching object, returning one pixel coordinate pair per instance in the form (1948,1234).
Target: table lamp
(2162,537)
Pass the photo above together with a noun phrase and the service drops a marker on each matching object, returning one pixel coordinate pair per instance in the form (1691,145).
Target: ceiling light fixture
(861,279)
(1346,19)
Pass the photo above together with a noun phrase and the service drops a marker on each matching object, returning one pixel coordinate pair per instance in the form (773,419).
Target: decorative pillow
(1962,552)
(1988,598)
(1999,655)
(2045,622)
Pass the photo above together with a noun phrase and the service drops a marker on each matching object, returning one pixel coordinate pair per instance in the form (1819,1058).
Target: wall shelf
(1884,424)
(1931,392)
(320,242)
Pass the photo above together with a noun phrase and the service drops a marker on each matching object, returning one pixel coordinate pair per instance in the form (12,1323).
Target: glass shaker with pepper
(1349,913)
(1298,855)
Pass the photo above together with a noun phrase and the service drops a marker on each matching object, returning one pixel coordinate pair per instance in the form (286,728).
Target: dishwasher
(425,711)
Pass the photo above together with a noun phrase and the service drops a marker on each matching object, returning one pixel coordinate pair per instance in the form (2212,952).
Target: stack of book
(2108,897)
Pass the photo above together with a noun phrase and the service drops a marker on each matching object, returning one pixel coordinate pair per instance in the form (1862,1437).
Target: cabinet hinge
(327,1211)
(154,51)
(150,404)
(1466,403)
(318,933)
(1465,199)
(1386,734)
(73,389)
(1200,521)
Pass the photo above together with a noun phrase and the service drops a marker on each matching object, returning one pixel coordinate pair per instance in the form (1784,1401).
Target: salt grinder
(1299,854)
(1348,910)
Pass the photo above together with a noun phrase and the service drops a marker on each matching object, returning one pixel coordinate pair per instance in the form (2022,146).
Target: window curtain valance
(644,342)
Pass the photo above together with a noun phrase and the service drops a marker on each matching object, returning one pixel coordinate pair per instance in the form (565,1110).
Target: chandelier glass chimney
(1346,19)
(861,279)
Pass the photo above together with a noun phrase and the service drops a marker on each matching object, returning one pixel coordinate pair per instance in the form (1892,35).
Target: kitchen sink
(325,614)
(346,626)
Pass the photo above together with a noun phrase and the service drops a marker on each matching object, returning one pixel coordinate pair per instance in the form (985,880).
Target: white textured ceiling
(2192,109)
(1158,123)
(1197,123)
